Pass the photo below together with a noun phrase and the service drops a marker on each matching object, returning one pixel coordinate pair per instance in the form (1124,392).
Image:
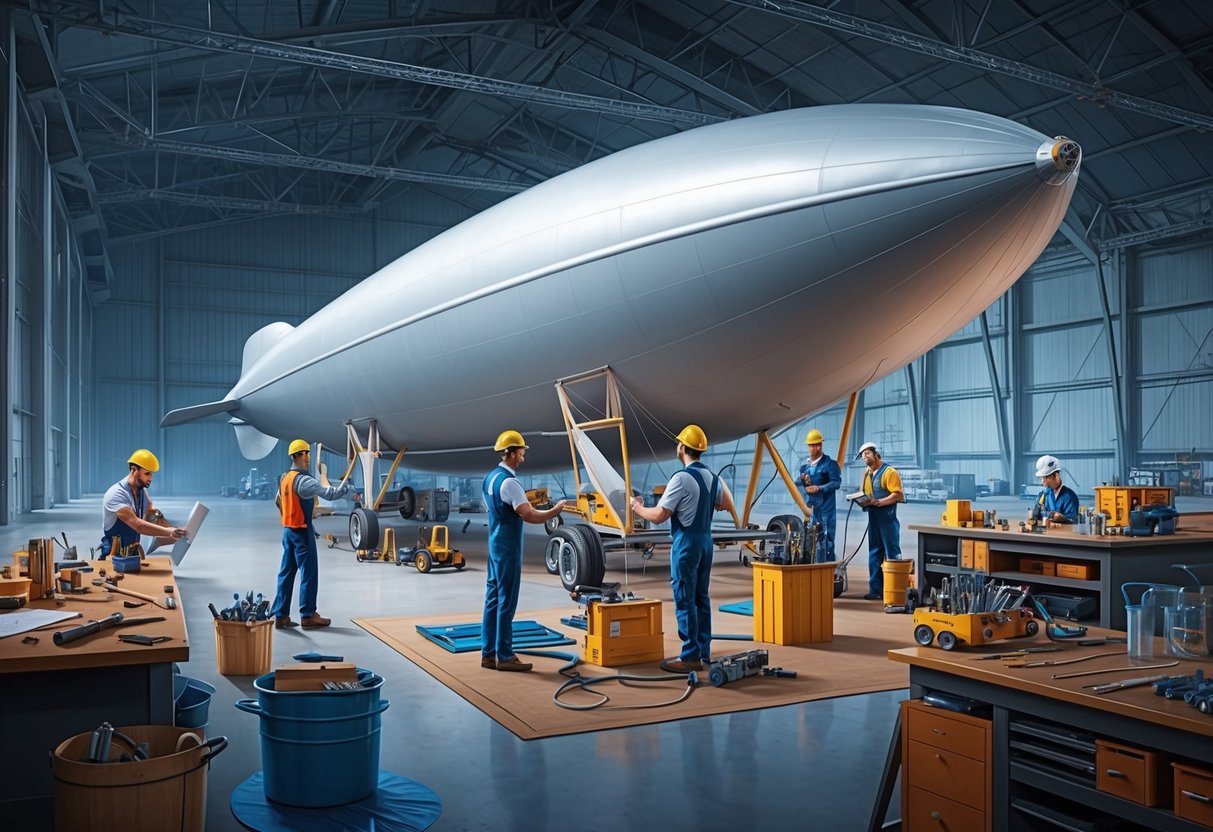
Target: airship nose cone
(1058,160)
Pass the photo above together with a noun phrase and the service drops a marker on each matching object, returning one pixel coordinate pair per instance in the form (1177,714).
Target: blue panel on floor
(464,638)
(400,805)
(739,608)
(576,621)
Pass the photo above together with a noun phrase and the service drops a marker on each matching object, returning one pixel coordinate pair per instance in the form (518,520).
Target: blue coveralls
(884,533)
(691,571)
(123,531)
(298,557)
(1065,502)
(825,474)
(504,571)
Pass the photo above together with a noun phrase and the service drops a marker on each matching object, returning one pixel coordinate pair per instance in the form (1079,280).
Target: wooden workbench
(50,693)
(1116,559)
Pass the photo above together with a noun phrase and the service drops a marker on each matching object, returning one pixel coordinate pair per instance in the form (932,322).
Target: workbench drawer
(1193,794)
(1132,773)
(959,733)
(947,774)
(933,813)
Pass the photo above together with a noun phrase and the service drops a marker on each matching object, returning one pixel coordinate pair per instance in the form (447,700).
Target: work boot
(488,662)
(872,596)
(315,620)
(680,666)
(513,664)
(284,621)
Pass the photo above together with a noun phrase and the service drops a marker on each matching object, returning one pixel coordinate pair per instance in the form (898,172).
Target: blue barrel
(319,748)
(193,702)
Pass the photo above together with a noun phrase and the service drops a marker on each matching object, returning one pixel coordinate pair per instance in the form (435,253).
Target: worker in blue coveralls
(882,492)
(297,493)
(508,509)
(688,502)
(1057,503)
(127,507)
(821,478)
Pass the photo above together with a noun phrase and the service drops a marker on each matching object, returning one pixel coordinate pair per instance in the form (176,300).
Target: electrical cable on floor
(584,683)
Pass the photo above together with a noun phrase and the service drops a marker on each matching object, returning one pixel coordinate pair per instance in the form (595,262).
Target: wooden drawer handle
(935,816)
(1111,772)
(1195,796)
(939,731)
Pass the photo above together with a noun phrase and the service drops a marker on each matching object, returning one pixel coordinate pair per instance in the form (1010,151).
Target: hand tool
(130,605)
(313,656)
(1095,642)
(1114,670)
(214,612)
(140,638)
(1014,654)
(1051,662)
(1108,687)
(93,627)
(115,588)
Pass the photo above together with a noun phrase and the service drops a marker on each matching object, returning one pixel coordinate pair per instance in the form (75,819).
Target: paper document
(22,621)
(197,514)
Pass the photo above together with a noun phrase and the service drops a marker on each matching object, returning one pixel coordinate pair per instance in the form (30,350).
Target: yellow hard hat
(694,438)
(509,439)
(144,459)
(814,437)
(298,447)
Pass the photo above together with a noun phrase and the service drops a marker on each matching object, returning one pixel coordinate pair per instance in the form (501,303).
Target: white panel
(1175,417)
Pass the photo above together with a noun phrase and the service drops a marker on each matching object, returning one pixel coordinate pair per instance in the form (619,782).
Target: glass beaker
(1184,631)
(1140,631)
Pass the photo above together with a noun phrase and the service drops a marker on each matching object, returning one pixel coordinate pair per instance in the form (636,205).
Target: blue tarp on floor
(739,608)
(464,638)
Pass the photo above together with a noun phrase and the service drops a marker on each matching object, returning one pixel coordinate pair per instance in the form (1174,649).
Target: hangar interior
(179,174)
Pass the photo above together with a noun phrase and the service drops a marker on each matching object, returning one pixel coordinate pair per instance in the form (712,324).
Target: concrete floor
(814,765)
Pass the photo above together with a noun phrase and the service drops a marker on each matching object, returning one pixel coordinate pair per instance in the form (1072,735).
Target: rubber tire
(364,529)
(792,529)
(460,562)
(551,525)
(407,498)
(840,586)
(551,553)
(1203,706)
(262,492)
(924,635)
(1031,628)
(947,640)
(581,561)
(423,560)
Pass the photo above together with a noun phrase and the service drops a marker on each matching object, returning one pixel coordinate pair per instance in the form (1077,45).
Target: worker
(1057,502)
(297,493)
(127,507)
(821,477)
(690,497)
(882,492)
(508,510)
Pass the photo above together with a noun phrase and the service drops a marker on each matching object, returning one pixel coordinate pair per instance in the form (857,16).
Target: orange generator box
(623,633)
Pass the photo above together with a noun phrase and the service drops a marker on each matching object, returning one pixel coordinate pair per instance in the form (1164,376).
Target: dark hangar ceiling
(177,114)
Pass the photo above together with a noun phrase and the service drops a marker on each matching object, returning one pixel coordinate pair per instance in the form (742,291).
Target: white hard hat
(1047,464)
(867,446)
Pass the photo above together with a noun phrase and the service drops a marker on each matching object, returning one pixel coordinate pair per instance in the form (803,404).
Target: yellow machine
(437,554)
(971,628)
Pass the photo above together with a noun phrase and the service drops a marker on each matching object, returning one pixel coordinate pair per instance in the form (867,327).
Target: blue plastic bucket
(193,703)
(127,563)
(319,748)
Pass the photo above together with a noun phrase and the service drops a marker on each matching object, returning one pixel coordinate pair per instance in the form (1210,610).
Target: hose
(576,681)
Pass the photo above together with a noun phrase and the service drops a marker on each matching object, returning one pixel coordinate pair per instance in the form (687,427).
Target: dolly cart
(436,555)
(972,627)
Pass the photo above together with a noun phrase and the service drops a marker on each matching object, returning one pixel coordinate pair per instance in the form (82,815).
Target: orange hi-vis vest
(294,514)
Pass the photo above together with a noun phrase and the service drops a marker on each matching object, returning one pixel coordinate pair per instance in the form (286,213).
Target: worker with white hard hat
(509,511)
(689,499)
(1057,502)
(821,477)
(882,492)
(297,493)
(127,507)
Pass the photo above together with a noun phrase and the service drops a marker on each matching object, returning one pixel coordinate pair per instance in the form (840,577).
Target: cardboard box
(1077,571)
(981,555)
(312,676)
(966,554)
(1038,566)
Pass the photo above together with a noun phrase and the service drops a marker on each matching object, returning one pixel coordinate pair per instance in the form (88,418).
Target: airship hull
(739,276)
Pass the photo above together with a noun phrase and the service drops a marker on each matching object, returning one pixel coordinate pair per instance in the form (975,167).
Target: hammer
(169,603)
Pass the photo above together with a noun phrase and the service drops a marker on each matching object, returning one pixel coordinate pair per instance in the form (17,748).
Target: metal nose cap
(1058,160)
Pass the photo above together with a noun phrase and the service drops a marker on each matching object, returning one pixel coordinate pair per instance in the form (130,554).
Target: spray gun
(1055,631)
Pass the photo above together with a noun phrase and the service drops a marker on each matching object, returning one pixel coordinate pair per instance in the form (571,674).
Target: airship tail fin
(198,411)
(259,343)
(253,443)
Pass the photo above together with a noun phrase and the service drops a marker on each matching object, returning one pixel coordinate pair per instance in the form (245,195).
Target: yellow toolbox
(953,629)
(622,633)
(956,512)
(1118,501)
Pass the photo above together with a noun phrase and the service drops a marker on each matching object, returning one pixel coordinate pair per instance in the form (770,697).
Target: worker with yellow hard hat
(297,490)
(882,491)
(508,510)
(127,507)
(689,499)
(821,477)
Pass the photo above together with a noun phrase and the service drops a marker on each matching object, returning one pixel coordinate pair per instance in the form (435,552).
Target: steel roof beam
(226,203)
(805,13)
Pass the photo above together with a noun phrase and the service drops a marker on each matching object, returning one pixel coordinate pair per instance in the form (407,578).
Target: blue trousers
(298,557)
(884,543)
(827,515)
(500,604)
(690,573)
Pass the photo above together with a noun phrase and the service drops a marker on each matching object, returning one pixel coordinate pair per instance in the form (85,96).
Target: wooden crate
(628,632)
(243,649)
(793,604)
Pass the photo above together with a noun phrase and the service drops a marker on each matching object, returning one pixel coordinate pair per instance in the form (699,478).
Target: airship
(739,276)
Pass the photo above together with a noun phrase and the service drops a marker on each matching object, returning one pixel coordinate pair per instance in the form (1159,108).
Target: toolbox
(1072,607)
(313,676)
(623,633)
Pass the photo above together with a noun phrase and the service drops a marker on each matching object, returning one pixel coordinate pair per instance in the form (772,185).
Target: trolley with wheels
(951,630)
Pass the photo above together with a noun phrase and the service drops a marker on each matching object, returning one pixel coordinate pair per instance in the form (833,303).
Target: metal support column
(1000,412)
(8,291)
(1114,365)
(44,466)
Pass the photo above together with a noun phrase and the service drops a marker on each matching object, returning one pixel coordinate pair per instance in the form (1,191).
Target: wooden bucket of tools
(165,791)
(243,648)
